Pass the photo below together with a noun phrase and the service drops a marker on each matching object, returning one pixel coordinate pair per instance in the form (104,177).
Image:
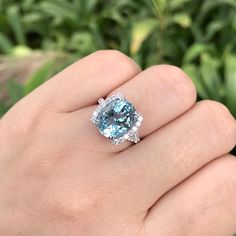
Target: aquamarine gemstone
(116,118)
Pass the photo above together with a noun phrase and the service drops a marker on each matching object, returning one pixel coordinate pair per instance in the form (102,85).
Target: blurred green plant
(198,36)
(38,38)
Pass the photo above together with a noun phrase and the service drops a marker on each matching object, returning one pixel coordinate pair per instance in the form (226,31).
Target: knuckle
(109,53)
(112,58)
(214,106)
(225,168)
(173,70)
(71,203)
(221,119)
(177,81)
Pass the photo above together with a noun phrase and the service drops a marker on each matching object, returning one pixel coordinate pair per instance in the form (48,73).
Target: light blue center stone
(116,118)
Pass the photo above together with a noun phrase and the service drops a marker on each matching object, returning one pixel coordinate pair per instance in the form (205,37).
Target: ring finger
(160,94)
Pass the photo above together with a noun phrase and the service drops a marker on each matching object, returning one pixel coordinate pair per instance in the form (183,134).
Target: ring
(117,119)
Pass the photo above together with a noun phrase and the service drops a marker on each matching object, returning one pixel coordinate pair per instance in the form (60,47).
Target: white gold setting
(132,134)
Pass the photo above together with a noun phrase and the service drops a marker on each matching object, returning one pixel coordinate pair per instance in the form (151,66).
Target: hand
(60,177)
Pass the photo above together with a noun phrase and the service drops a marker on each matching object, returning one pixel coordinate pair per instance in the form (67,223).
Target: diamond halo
(117,119)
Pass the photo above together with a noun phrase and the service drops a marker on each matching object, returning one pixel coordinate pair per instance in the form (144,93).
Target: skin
(59,176)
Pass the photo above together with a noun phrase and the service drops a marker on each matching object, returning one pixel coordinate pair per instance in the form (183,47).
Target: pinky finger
(203,205)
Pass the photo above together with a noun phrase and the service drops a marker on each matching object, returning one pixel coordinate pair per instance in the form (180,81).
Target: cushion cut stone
(116,118)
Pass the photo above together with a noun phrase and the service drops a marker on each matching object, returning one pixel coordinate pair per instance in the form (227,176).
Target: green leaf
(97,34)
(182,19)
(14,20)
(230,82)
(3,109)
(141,31)
(40,76)
(27,4)
(31,19)
(21,51)
(82,42)
(59,9)
(15,91)
(194,74)
(209,5)
(175,4)
(160,6)
(213,28)
(194,51)
(5,44)
(90,4)
(209,71)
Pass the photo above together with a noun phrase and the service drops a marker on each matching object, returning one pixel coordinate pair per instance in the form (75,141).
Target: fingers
(171,154)
(160,93)
(204,204)
(79,85)
(82,83)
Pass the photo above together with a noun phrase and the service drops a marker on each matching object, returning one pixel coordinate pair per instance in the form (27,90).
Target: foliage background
(38,38)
